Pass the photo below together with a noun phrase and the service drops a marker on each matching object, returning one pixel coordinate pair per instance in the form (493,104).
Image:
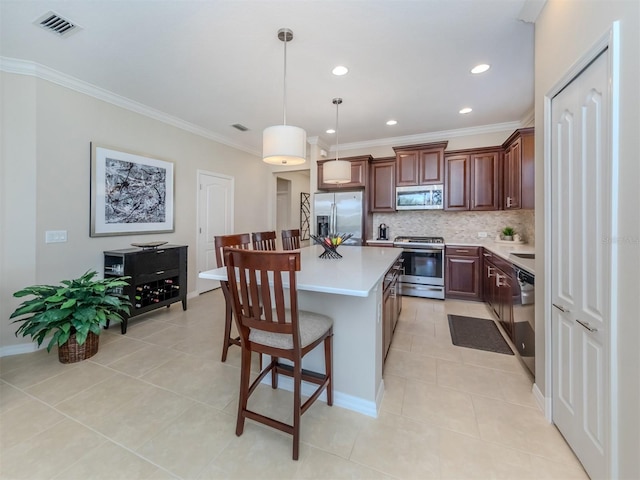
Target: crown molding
(432,136)
(529,119)
(24,67)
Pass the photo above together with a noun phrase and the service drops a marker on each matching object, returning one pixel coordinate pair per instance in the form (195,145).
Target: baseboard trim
(340,399)
(21,348)
(543,402)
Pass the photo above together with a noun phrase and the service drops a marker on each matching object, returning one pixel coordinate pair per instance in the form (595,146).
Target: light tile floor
(157,403)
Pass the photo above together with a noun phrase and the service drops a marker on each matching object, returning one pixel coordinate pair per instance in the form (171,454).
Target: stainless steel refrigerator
(341,212)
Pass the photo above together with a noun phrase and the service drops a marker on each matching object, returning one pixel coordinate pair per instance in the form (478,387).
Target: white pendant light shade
(336,171)
(284,145)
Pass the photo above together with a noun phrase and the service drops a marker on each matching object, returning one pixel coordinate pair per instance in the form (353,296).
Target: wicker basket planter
(71,352)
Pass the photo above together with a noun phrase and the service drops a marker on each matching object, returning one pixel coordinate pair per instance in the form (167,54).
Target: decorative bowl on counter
(330,243)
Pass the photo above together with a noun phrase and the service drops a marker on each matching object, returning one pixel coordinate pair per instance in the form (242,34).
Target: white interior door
(215,217)
(581,264)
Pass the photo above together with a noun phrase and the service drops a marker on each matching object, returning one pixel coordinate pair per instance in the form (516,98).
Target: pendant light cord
(284,88)
(337,102)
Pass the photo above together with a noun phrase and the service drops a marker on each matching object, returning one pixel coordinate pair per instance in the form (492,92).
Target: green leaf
(69,303)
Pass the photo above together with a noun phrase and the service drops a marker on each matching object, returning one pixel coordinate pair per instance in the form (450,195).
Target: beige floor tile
(70,383)
(30,418)
(10,397)
(39,366)
(189,443)
(178,419)
(331,429)
(436,347)
(144,360)
(408,450)
(545,469)
(260,452)
(517,388)
(96,403)
(519,427)
(498,361)
(322,465)
(207,381)
(440,406)
(401,341)
(115,347)
(140,419)
(49,452)
(410,365)
(469,378)
(464,457)
(110,462)
(393,393)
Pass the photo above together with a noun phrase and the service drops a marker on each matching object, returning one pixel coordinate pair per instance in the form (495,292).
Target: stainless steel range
(423,262)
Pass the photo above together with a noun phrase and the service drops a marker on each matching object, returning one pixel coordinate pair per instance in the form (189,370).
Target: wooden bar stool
(243,241)
(267,327)
(291,239)
(264,240)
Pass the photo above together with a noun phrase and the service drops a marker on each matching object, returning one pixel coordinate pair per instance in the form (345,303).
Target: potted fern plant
(508,233)
(74,313)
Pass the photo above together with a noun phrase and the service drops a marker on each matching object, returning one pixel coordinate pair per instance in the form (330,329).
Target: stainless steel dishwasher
(524,317)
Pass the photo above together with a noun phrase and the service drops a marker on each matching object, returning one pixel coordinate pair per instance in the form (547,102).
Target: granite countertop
(504,250)
(356,274)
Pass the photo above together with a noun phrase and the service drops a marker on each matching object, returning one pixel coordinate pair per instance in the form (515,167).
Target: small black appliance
(383,232)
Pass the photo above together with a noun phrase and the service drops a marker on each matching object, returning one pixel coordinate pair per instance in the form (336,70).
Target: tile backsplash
(457,226)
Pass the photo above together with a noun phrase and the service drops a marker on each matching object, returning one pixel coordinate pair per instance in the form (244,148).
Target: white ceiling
(215,63)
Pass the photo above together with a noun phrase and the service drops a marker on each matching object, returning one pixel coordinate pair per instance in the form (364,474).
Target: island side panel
(357,347)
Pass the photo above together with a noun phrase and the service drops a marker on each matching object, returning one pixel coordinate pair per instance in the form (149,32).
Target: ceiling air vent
(240,127)
(56,24)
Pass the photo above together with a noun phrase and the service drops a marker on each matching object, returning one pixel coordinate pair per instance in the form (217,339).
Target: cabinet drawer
(463,251)
(157,260)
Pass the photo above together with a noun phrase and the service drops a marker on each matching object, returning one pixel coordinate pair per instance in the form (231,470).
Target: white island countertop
(356,274)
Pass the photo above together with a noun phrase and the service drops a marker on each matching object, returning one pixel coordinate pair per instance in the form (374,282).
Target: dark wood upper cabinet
(519,170)
(382,185)
(420,164)
(456,187)
(359,174)
(485,181)
(472,179)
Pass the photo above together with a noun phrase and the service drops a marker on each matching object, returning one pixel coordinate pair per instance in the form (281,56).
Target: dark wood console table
(158,276)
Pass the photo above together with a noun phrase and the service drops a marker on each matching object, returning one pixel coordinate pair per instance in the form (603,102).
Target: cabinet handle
(587,326)
(508,202)
(486,254)
(561,308)
(461,251)
(160,272)
(499,282)
(490,271)
(159,251)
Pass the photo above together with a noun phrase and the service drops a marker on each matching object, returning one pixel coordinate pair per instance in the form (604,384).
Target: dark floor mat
(478,333)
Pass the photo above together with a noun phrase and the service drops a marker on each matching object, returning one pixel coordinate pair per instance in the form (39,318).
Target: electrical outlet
(482,234)
(55,236)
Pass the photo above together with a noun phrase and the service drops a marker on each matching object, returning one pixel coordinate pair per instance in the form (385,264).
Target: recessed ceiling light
(340,70)
(392,122)
(466,110)
(483,67)
(331,130)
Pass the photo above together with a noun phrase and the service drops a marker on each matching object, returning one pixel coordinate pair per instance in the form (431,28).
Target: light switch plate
(55,236)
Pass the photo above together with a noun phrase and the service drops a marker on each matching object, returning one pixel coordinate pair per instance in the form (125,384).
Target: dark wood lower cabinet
(391,305)
(499,289)
(462,278)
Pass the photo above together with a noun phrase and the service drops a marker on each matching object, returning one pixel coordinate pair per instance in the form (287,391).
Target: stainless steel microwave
(421,197)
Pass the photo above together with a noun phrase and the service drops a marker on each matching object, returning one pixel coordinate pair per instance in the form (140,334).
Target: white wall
(565,30)
(46,134)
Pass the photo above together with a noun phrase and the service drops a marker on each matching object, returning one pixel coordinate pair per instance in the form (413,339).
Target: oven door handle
(423,250)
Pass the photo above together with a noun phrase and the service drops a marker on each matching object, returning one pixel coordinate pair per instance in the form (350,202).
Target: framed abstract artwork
(130,193)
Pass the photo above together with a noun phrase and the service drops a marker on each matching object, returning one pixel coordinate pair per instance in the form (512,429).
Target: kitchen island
(349,290)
